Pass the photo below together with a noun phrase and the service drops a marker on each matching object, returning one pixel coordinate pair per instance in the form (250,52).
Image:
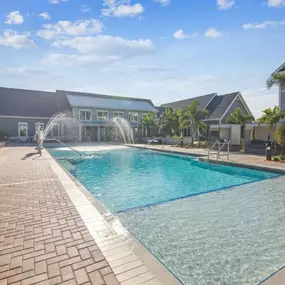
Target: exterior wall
(236,104)
(94,111)
(282,99)
(10,125)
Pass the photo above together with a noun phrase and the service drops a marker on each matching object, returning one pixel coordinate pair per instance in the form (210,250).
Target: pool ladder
(152,140)
(220,147)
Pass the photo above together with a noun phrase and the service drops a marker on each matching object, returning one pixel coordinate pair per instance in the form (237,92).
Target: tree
(271,117)
(280,135)
(168,122)
(238,118)
(277,79)
(148,121)
(194,116)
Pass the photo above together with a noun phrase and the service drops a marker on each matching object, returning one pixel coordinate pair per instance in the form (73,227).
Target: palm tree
(148,121)
(238,118)
(277,79)
(168,122)
(194,115)
(271,117)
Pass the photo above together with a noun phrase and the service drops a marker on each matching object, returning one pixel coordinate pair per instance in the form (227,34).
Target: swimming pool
(129,178)
(224,237)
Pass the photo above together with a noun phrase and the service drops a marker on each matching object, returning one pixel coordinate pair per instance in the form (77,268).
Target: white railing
(220,148)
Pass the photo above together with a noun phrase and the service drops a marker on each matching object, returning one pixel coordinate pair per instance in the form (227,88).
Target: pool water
(123,179)
(231,237)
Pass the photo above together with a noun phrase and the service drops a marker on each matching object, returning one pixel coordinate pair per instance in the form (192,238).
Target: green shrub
(280,135)
(277,158)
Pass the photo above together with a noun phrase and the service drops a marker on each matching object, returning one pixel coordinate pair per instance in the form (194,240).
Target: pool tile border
(130,261)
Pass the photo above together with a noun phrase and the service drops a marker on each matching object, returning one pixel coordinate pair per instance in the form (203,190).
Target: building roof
(110,102)
(220,105)
(27,103)
(203,102)
(281,68)
(217,105)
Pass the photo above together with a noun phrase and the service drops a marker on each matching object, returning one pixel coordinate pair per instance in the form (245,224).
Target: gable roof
(109,102)
(203,102)
(221,104)
(27,103)
(281,68)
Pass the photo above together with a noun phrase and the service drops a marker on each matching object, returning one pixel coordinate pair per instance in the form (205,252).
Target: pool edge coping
(136,247)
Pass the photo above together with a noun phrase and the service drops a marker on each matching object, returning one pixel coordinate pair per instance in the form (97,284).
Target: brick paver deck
(43,239)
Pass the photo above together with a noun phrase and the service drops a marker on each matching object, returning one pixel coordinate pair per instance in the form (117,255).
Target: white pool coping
(130,261)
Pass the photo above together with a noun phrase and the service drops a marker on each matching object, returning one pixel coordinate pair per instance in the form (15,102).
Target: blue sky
(164,50)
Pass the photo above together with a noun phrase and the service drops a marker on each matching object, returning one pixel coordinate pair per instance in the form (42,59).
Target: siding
(10,125)
(236,104)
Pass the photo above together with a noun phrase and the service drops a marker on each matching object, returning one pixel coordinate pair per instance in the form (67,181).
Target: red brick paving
(43,240)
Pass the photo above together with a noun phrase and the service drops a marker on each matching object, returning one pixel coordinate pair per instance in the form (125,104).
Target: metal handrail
(211,148)
(162,142)
(226,142)
(69,147)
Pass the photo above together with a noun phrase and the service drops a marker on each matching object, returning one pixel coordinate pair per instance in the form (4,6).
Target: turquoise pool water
(124,179)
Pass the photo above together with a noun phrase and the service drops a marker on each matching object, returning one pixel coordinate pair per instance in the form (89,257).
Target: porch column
(116,133)
(80,133)
(98,133)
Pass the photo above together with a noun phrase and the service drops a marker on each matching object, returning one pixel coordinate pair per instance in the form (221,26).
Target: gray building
(22,112)
(281,69)
(219,107)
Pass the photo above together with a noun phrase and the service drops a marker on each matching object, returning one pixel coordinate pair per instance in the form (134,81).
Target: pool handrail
(76,151)
(152,140)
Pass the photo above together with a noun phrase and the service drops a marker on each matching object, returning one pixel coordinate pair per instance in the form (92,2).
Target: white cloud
(85,8)
(99,49)
(14,18)
(21,71)
(56,1)
(14,39)
(45,16)
(260,99)
(263,25)
(66,28)
(225,4)
(121,8)
(163,2)
(107,45)
(276,3)
(180,35)
(213,33)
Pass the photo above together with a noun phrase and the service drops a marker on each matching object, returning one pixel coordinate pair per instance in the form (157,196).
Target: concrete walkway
(43,239)
(237,158)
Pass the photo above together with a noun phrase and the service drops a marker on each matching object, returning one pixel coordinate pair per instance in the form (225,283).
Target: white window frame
(119,112)
(133,114)
(103,118)
(85,115)
(84,131)
(19,130)
(39,123)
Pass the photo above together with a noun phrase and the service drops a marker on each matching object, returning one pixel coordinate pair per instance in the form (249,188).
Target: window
(119,115)
(103,115)
(54,132)
(23,129)
(144,115)
(86,131)
(40,126)
(133,117)
(85,115)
